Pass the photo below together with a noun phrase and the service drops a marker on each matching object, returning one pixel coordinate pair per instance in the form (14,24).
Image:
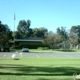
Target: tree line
(49,37)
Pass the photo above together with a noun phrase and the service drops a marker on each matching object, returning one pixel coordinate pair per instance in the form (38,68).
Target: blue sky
(42,13)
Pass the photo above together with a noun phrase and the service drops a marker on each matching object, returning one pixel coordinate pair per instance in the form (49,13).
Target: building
(31,42)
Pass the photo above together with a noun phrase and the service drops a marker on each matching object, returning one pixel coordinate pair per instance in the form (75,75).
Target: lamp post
(14,30)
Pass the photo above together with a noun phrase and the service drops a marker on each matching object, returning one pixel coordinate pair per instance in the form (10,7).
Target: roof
(35,39)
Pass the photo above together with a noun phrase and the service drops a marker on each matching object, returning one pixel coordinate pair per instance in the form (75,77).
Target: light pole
(14,30)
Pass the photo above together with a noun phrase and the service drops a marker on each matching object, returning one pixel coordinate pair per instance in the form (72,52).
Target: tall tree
(16,35)
(30,32)
(63,33)
(23,27)
(52,39)
(40,32)
(73,38)
(5,34)
(75,31)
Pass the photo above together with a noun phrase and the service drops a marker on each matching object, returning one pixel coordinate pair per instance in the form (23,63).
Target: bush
(46,48)
(43,48)
(40,48)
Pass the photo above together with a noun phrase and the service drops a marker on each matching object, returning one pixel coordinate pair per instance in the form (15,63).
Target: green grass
(55,50)
(49,50)
(39,68)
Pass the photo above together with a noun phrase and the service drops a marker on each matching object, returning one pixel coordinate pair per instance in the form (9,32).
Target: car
(0,49)
(25,49)
(5,49)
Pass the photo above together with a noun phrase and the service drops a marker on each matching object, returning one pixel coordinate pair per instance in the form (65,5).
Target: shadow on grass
(44,79)
(37,71)
(65,50)
(16,59)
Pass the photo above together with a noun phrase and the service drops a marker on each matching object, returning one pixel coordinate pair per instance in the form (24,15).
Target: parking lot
(41,54)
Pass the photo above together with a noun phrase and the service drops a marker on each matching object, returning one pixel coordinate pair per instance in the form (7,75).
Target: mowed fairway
(39,68)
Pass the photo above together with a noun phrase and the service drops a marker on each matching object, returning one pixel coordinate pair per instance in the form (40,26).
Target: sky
(42,13)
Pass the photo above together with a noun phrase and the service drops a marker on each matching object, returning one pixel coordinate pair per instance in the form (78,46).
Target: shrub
(46,48)
(43,48)
(40,48)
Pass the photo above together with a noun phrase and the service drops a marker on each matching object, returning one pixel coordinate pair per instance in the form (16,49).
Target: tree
(78,32)
(5,34)
(40,32)
(23,28)
(52,39)
(16,35)
(73,38)
(63,33)
(75,34)
(73,29)
(30,34)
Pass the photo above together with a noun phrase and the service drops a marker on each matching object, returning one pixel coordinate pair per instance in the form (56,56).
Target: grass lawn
(55,50)
(39,68)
